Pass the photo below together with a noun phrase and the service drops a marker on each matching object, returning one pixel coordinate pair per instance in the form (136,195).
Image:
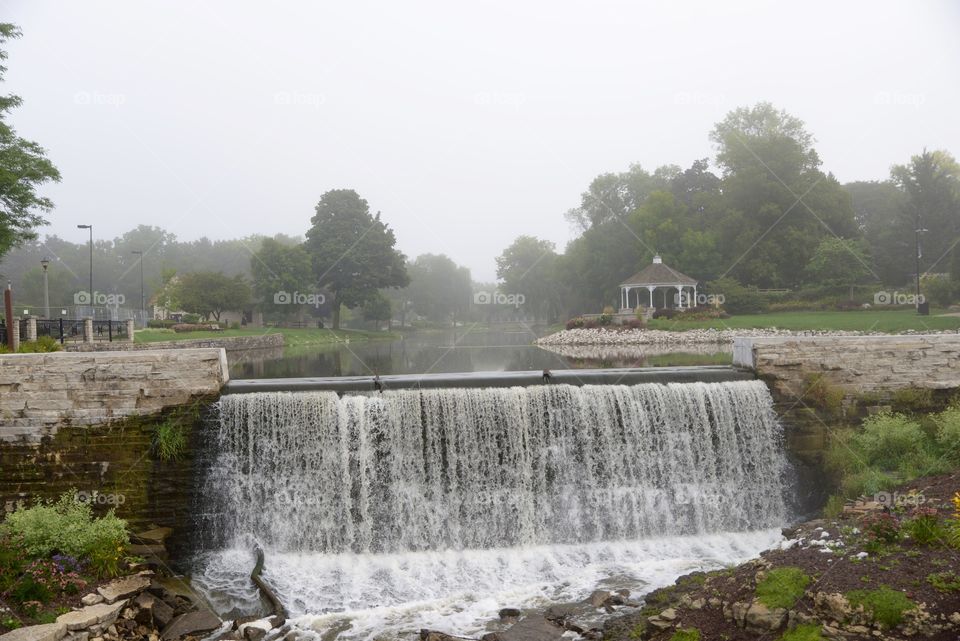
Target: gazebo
(654,276)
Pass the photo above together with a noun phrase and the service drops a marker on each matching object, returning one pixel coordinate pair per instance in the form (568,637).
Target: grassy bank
(292,337)
(866,321)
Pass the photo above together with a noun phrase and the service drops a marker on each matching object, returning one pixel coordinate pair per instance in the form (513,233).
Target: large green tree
(282,279)
(839,263)
(352,251)
(439,289)
(529,268)
(879,209)
(773,183)
(931,185)
(209,294)
(24,167)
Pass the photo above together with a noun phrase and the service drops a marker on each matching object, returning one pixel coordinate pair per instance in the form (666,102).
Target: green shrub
(924,526)
(169,441)
(913,399)
(686,634)
(948,434)
(69,527)
(782,587)
(803,633)
(822,394)
(42,345)
(886,605)
(737,299)
(944,581)
(834,506)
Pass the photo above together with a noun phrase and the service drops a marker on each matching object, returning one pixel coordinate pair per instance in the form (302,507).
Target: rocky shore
(664,338)
(828,579)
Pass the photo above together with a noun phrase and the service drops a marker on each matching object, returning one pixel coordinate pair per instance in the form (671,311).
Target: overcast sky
(466,124)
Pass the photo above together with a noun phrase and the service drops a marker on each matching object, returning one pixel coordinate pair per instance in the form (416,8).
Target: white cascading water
(414,508)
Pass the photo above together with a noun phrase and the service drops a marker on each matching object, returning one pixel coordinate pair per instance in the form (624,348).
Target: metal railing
(108,330)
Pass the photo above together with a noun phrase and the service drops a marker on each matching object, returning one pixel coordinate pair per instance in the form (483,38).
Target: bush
(939,290)
(575,323)
(686,634)
(886,605)
(68,527)
(782,587)
(924,526)
(803,633)
(161,324)
(948,433)
(738,299)
(43,344)
(881,526)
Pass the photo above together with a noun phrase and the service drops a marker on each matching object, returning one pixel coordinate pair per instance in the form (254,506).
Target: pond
(459,350)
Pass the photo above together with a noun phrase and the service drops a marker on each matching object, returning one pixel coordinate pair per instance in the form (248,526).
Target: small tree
(211,293)
(377,309)
(839,262)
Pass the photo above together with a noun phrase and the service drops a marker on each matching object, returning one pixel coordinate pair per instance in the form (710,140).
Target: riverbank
(291,337)
(679,338)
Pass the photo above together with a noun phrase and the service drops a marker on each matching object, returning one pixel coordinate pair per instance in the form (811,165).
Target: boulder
(598,597)
(626,627)
(533,628)
(44,632)
(155,536)
(760,617)
(124,587)
(190,623)
(100,614)
(509,613)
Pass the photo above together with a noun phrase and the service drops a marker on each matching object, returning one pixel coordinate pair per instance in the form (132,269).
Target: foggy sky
(466,124)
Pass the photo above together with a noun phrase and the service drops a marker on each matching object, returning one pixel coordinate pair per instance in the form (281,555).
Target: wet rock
(533,628)
(510,613)
(625,627)
(190,623)
(598,598)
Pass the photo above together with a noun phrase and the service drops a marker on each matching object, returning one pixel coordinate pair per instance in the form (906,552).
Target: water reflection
(461,350)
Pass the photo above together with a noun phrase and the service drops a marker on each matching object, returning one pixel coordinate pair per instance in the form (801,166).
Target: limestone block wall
(229,343)
(856,364)
(40,393)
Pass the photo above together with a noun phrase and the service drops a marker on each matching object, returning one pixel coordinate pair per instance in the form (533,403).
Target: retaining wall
(855,364)
(229,343)
(40,393)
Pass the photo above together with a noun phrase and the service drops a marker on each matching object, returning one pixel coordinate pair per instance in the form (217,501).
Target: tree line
(771,218)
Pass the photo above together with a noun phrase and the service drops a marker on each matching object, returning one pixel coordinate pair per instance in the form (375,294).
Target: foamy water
(370,595)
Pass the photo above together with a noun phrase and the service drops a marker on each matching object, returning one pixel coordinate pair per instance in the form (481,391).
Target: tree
(352,251)
(24,167)
(377,309)
(839,263)
(211,293)
(878,208)
(439,289)
(772,182)
(613,196)
(529,267)
(931,185)
(281,273)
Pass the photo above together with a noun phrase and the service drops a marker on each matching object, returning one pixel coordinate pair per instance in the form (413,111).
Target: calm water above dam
(459,351)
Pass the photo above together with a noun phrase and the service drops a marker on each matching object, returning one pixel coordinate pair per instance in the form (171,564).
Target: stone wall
(229,343)
(858,365)
(40,393)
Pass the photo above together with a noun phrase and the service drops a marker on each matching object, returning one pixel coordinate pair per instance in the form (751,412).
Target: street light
(45,262)
(919,231)
(143,312)
(90,227)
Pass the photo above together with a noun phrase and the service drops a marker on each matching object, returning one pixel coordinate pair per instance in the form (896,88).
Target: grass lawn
(292,337)
(866,320)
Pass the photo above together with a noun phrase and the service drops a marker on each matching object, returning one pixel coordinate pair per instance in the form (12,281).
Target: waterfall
(474,469)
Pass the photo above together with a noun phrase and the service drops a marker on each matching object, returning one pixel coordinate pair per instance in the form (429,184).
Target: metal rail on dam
(619,376)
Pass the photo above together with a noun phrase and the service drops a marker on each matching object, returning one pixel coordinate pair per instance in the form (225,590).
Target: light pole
(143,312)
(90,227)
(46,288)
(919,231)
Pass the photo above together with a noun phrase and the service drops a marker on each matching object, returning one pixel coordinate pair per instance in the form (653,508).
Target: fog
(465,124)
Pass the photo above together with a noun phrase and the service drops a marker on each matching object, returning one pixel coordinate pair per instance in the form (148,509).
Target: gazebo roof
(657,273)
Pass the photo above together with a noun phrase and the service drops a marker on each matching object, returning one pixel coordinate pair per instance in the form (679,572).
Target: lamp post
(45,262)
(90,227)
(143,313)
(919,254)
